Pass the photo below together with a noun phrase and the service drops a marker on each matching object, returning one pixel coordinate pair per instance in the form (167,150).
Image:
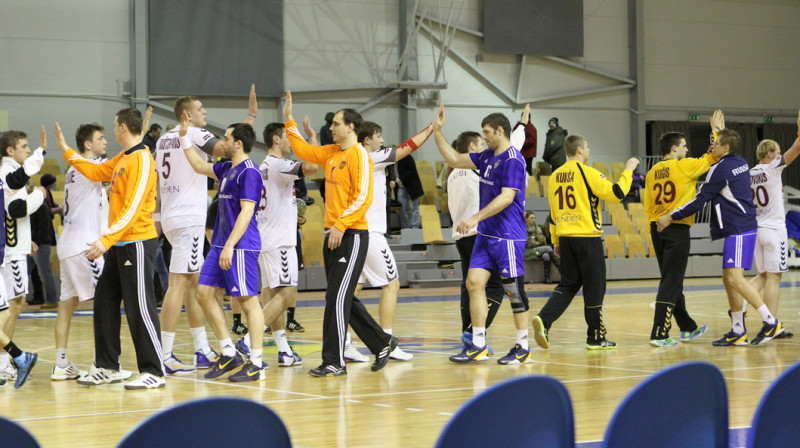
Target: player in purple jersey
(500,244)
(232,262)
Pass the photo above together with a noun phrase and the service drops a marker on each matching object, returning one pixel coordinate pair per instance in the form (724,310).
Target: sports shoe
(603,344)
(174,365)
(205,361)
(249,373)
(466,338)
(687,336)
(224,364)
(71,372)
(146,381)
(767,333)
(399,355)
(24,363)
(8,372)
(97,376)
(351,354)
(289,359)
(540,333)
(668,342)
(267,330)
(242,347)
(240,329)
(785,335)
(517,355)
(327,370)
(729,339)
(383,356)
(118,376)
(295,327)
(471,353)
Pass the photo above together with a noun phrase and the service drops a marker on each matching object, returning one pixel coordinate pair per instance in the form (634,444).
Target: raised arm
(411,145)
(310,153)
(609,191)
(252,113)
(792,153)
(450,155)
(100,172)
(310,132)
(198,164)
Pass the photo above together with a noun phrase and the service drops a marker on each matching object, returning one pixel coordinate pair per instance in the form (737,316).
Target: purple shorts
(738,250)
(501,255)
(241,280)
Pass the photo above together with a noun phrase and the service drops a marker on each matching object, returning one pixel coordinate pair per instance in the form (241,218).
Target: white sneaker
(118,376)
(96,376)
(71,372)
(352,354)
(8,372)
(175,365)
(399,355)
(146,381)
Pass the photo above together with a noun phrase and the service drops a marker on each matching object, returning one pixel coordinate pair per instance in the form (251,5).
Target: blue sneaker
(203,361)
(175,365)
(687,336)
(731,338)
(24,363)
(242,348)
(289,359)
(471,353)
(249,373)
(224,364)
(767,333)
(466,338)
(516,355)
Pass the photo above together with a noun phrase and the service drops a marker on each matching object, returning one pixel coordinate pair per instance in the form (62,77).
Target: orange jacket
(132,197)
(348,179)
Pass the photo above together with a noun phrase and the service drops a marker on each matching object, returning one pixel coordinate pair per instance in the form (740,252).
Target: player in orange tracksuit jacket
(130,243)
(348,195)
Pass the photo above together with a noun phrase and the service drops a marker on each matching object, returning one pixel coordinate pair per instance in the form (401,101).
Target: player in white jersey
(19,163)
(380,268)
(183,203)
(277,225)
(771,240)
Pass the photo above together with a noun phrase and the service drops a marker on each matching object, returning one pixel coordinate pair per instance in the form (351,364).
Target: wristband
(251,115)
(410,142)
(185,142)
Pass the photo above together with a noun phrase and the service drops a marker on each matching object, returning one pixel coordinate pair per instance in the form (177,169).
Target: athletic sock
(479,336)
(737,322)
(167,341)
(281,342)
(522,338)
(348,339)
(255,357)
(246,339)
(200,340)
(388,331)
(766,316)
(61,358)
(11,350)
(290,314)
(227,348)
(237,319)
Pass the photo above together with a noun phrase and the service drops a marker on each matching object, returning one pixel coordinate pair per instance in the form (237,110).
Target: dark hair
(731,138)
(498,120)
(368,129)
(329,118)
(350,116)
(668,140)
(272,130)
(85,133)
(154,127)
(132,119)
(572,143)
(244,133)
(9,139)
(182,103)
(465,139)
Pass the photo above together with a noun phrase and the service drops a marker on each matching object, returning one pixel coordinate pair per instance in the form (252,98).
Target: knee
(474,285)
(516,296)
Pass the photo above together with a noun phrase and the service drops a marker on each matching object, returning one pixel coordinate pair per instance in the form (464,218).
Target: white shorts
(278,267)
(772,250)
(187,249)
(15,276)
(3,299)
(379,268)
(79,276)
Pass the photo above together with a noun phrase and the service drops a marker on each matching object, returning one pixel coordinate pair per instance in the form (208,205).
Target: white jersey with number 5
(376,213)
(85,213)
(767,188)
(277,211)
(183,193)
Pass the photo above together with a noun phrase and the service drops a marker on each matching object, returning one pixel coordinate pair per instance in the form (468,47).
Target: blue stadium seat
(775,422)
(12,434)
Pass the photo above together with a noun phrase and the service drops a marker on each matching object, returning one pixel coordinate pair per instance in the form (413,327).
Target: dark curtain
(785,135)
(748,132)
(659,128)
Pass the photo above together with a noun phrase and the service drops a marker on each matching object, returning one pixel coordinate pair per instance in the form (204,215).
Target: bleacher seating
(428,178)
(533,187)
(616,170)
(614,246)
(545,185)
(431,224)
(635,245)
(602,167)
(543,169)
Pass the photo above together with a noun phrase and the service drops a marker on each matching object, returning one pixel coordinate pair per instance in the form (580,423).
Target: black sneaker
(224,364)
(327,370)
(603,344)
(240,329)
(294,327)
(249,373)
(383,356)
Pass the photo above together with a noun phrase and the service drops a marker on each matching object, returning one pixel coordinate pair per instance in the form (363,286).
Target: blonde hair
(765,147)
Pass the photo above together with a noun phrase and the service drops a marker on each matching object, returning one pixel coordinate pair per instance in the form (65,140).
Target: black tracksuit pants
(672,251)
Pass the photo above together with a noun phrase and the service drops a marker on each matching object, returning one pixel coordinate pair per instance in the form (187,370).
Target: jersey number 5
(664,193)
(566,195)
(165,164)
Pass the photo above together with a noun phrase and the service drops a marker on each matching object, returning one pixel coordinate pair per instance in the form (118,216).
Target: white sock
(255,357)
(4,359)
(387,331)
(200,340)
(737,322)
(227,348)
(522,338)
(167,341)
(766,316)
(61,358)
(246,339)
(479,336)
(281,342)
(348,340)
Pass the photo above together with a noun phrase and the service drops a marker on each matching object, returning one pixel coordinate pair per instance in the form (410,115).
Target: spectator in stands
(409,190)
(636,185)
(528,149)
(325,134)
(554,145)
(43,234)
(537,248)
(152,136)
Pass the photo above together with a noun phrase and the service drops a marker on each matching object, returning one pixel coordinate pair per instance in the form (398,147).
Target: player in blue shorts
(733,217)
(232,263)
(500,244)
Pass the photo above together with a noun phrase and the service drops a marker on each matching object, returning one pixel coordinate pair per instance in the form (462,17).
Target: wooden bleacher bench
(635,245)
(431,224)
(427,177)
(545,185)
(602,167)
(313,234)
(533,187)
(614,247)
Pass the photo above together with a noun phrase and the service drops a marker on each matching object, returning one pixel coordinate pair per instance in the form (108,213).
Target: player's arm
(311,134)
(252,112)
(614,192)
(411,145)
(199,165)
(310,153)
(450,155)
(309,169)
(714,184)
(360,197)
(696,167)
(242,221)
(96,172)
(520,130)
(498,204)
(792,153)
(20,208)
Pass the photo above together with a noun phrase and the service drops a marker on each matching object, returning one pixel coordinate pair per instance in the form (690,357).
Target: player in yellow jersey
(670,184)
(575,193)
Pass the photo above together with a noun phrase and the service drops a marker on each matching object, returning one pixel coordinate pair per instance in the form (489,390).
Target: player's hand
(184,124)
(632,163)
(438,122)
(310,133)
(253,102)
(43,139)
(226,258)
(287,106)
(717,121)
(60,141)
(34,247)
(663,222)
(334,238)
(526,114)
(146,120)
(466,224)
(96,250)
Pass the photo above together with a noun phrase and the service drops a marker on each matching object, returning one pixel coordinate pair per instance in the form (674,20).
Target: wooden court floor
(408,404)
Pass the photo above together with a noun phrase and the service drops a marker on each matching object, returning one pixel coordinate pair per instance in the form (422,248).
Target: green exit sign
(768,119)
(693,117)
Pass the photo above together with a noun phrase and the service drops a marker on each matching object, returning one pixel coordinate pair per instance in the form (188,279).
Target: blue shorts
(738,250)
(241,280)
(503,256)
